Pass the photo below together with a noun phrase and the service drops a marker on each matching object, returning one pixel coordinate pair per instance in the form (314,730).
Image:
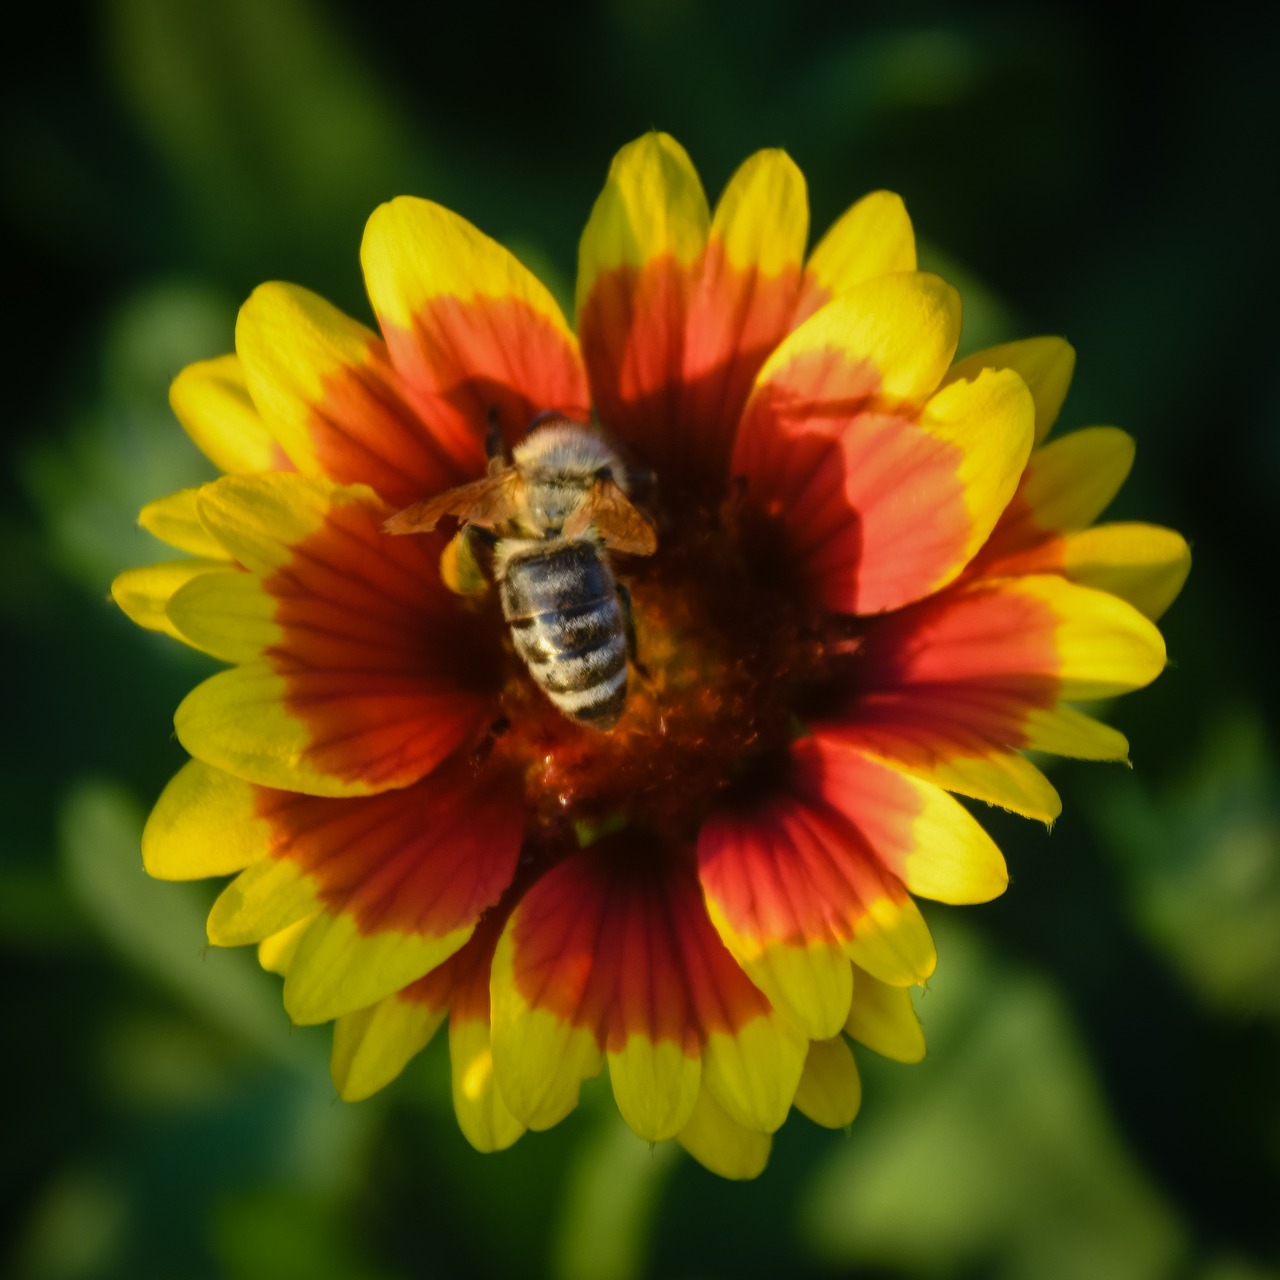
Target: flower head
(873,586)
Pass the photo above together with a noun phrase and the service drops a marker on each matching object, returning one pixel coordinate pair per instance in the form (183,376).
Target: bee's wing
(488,502)
(620,524)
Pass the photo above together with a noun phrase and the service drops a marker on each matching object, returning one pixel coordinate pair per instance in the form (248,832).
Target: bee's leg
(629,630)
(463,561)
(484,746)
(479,537)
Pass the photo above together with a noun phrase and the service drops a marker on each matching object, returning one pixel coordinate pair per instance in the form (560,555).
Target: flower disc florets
(723,654)
(875,587)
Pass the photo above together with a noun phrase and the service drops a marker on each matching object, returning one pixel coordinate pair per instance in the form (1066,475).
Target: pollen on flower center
(723,651)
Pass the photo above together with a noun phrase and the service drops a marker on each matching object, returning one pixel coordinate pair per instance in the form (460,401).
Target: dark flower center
(726,648)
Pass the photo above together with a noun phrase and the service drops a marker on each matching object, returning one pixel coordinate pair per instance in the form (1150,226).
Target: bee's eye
(604,473)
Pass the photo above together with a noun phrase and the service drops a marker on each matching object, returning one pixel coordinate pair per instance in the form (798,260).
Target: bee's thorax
(550,500)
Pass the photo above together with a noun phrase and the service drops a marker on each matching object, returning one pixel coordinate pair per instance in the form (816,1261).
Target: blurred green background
(1100,1099)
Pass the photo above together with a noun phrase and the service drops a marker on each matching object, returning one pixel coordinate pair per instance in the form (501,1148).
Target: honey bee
(552,514)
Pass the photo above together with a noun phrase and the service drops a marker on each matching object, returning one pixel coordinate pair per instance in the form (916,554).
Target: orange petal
(325,386)
(399,880)
(1067,484)
(951,688)
(611,952)
(421,864)
(796,890)
(914,829)
(652,206)
(880,493)
(1039,638)
(955,743)
(371,672)
(740,308)
(472,334)
(637,267)
(1141,563)
(425,859)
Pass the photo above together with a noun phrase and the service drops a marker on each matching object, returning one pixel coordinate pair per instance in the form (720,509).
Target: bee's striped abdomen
(561,602)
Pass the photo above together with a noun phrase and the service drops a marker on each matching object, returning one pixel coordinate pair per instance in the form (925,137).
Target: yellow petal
(338,968)
(372,1046)
(1070,481)
(276,951)
(482,1114)
(1064,731)
(882,1018)
(951,858)
(204,824)
(1104,646)
(212,401)
(893,942)
(652,206)
(143,594)
(722,1145)
(415,251)
(1044,364)
(904,326)
(176,520)
(872,238)
(753,1072)
(539,1060)
(292,344)
(989,421)
(267,897)
(655,1086)
(830,1091)
(1141,563)
(762,218)
(808,983)
(237,721)
(228,615)
(1002,778)
(260,519)
(460,571)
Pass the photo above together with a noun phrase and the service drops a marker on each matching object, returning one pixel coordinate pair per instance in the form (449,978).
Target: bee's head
(560,461)
(561,450)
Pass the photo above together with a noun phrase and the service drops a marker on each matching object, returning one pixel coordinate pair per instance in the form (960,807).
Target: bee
(552,514)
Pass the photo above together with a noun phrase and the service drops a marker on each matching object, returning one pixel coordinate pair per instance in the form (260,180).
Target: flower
(874,586)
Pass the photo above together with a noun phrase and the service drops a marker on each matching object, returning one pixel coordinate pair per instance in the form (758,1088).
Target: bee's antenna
(640,479)
(494,445)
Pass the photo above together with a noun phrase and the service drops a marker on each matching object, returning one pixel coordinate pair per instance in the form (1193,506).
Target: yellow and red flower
(874,587)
